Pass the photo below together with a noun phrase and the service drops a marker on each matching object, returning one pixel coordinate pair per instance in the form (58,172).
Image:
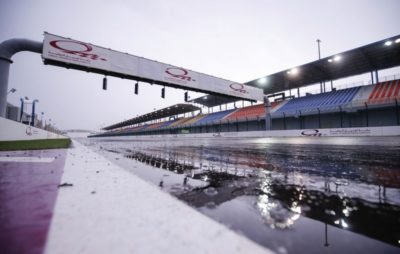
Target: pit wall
(334,132)
(13,131)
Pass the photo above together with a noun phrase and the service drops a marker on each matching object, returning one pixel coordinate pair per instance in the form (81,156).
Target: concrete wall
(333,132)
(11,131)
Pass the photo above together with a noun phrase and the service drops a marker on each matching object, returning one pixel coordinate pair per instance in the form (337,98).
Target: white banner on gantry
(77,53)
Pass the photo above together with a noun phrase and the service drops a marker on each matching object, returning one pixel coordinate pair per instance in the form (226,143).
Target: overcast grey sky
(238,40)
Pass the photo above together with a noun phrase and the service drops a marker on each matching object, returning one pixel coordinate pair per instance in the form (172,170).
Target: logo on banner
(28,131)
(237,87)
(311,133)
(76,48)
(179,75)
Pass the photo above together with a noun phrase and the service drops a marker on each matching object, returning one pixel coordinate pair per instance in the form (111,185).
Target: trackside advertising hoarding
(87,56)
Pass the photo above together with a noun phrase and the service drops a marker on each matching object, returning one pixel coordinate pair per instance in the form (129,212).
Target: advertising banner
(87,56)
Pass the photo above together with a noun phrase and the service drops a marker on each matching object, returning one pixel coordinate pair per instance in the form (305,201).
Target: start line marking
(27,159)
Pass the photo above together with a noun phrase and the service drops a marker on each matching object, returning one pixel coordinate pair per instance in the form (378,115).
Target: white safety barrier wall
(12,131)
(336,132)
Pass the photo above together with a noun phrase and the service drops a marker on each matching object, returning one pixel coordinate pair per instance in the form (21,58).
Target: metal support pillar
(319,57)
(376,76)
(267,105)
(284,121)
(237,125)
(7,49)
(372,78)
(33,113)
(397,111)
(319,118)
(22,110)
(300,120)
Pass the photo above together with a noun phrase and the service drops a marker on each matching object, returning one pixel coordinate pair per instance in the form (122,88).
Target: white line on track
(27,159)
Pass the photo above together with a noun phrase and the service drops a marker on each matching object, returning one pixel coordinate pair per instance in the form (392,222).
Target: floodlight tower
(319,58)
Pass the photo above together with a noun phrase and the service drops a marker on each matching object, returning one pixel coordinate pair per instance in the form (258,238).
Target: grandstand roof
(165,112)
(375,56)
(214,100)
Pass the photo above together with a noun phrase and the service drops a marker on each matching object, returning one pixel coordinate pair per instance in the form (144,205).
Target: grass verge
(34,144)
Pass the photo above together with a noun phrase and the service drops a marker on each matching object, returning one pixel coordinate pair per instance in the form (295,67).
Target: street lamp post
(48,126)
(41,120)
(33,112)
(12,90)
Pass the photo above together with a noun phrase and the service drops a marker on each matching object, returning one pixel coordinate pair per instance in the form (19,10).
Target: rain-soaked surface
(292,195)
(29,182)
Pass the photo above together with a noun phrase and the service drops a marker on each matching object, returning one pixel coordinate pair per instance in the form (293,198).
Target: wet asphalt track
(293,195)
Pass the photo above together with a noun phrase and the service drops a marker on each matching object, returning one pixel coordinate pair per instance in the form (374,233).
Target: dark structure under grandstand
(375,104)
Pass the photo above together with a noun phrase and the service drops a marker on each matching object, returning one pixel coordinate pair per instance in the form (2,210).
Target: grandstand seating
(354,97)
(168,123)
(140,127)
(180,121)
(385,91)
(133,129)
(249,112)
(193,119)
(214,116)
(155,125)
(322,101)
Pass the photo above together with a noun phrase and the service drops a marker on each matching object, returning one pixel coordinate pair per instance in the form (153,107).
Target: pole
(33,113)
(319,118)
(319,57)
(319,48)
(300,120)
(22,110)
(284,121)
(372,78)
(366,113)
(376,77)
(326,235)
(397,112)
(267,105)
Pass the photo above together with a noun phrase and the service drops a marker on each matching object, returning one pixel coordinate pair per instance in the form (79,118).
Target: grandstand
(251,112)
(376,104)
(330,100)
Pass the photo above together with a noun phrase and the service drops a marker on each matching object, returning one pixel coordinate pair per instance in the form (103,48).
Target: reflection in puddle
(288,193)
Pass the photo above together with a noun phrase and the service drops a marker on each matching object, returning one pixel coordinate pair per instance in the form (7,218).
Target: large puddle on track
(292,195)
